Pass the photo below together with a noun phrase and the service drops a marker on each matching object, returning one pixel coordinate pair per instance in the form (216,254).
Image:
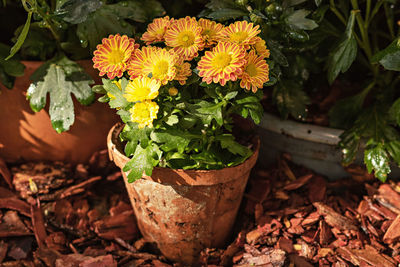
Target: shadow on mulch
(56,215)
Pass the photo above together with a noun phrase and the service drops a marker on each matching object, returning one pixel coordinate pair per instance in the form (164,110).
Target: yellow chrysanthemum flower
(158,62)
(183,71)
(224,63)
(184,36)
(210,31)
(241,33)
(255,72)
(156,30)
(112,55)
(143,88)
(144,113)
(261,48)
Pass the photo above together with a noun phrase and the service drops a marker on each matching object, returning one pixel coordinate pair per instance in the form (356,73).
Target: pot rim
(114,132)
(299,130)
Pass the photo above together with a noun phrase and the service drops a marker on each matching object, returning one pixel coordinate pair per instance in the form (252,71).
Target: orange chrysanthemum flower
(261,48)
(112,55)
(210,31)
(158,62)
(135,65)
(184,36)
(183,71)
(255,72)
(241,33)
(224,63)
(156,30)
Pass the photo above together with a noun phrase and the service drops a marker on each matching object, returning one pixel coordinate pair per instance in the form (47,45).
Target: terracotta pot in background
(184,211)
(26,135)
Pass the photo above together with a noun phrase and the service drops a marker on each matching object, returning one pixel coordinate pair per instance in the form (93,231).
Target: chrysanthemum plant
(177,92)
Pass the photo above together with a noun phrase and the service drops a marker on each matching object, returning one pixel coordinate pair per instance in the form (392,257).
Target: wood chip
(365,257)
(299,182)
(393,233)
(5,173)
(334,219)
(12,203)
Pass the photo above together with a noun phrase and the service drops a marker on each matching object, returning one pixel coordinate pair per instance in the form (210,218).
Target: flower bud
(172,91)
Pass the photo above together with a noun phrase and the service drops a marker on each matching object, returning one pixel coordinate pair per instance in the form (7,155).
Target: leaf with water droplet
(60,78)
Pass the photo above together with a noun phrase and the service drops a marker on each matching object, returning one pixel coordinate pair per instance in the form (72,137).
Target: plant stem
(367,13)
(365,42)
(336,12)
(45,17)
(389,20)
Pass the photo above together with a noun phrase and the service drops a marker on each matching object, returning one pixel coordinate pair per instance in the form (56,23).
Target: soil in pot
(26,135)
(185,211)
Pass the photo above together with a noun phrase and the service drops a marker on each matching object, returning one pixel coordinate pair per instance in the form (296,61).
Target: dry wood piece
(79,188)
(393,233)
(299,182)
(5,173)
(38,225)
(265,257)
(389,197)
(13,203)
(12,225)
(122,225)
(365,257)
(3,250)
(20,247)
(334,219)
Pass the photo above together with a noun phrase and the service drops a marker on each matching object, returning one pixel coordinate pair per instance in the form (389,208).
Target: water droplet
(84,43)
(345,151)
(124,3)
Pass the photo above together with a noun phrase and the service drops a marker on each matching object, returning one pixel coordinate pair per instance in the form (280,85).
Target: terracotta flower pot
(184,211)
(26,135)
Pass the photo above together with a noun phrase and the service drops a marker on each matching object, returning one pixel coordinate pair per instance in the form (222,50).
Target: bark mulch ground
(54,215)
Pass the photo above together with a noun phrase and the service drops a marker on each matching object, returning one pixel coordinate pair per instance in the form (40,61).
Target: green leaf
(298,20)
(228,142)
(137,10)
(38,44)
(172,120)
(172,139)
(21,37)
(389,57)
(99,89)
(142,162)
(345,111)
(344,54)
(393,149)
(276,53)
(76,11)
(101,23)
(9,69)
(395,111)
(226,14)
(290,3)
(376,159)
(130,148)
(117,100)
(349,143)
(62,78)
(231,95)
(207,111)
(125,115)
(291,99)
